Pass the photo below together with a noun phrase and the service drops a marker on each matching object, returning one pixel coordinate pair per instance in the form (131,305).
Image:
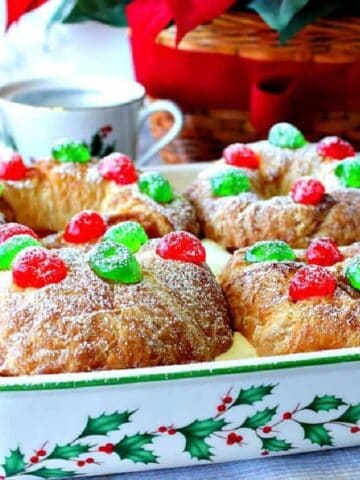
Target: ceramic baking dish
(56,426)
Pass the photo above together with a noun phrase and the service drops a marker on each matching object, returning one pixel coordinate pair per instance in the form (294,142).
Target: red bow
(16,8)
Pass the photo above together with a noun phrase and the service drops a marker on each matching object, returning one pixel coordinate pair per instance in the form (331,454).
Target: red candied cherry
(240,155)
(335,148)
(267,429)
(324,252)
(90,460)
(308,191)
(41,453)
(221,408)
(182,246)
(171,431)
(81,463)
(354,429)
(84,227)
(118,168)
(9,230)
(162,429)
(34,459)
(36,267)
(227,399)
(12,168)
(287,416)
(312,281)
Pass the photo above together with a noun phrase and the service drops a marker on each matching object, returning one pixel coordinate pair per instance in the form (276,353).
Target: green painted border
(162,376)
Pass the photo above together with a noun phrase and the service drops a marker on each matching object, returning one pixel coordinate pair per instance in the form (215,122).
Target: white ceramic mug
(105,113)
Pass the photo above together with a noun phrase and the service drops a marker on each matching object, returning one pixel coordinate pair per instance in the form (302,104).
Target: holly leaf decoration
(195,435)
(105,424)
(132,448)
(14,463)
(110,12)
(351,414)
(325,403)
(251,395)
(259,419)
(45,472)
(317,434)
(275,444)
(66,452)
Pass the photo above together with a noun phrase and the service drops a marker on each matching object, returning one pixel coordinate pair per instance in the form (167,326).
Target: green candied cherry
(270,251)
(12,246)
(71,152)
(115,262)
(352,272)
(285,135)
(130,234)
(348,172)
(156,186)
(230,181)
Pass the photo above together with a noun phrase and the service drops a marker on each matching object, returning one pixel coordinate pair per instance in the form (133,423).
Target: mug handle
(160,106)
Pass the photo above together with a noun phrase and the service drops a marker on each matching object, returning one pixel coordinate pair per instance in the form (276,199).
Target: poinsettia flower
(17,8)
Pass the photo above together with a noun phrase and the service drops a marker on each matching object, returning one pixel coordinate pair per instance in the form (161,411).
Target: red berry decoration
(36,267)
(324,252)
(227,399)
(162,429)
(354,429)
(171,431)
(267,429)
(12,168)
(9,230)
(41,453)
(312,281)
(108,448)
(34,459)
(335,148)
(308,191)
(221,408)
(85,227)
(240,155)
(80,463)
(90,460)
(231,439)
(118,168)
(182,246)
(287,416)
(264,453)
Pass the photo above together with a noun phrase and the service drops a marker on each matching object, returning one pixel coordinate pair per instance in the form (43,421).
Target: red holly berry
(12,168)
(221,408)
(36,267)
(80,463)
(324,252)
(108,128)
(287,416)
(171,431)
(9,230)
(182,246)
(119,168)
(90,460)
(308,191)
(108,448)
(101,448)
(84,227)
(162,429)
(264,453)
(312,281)
(231,438)
(240,155)
(41,453)
(267,429)
(239,438)
(354,429)
(34,459)
(227,399)
(335,148)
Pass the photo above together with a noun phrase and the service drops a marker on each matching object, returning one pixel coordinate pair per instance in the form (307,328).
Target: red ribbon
(17,8)
(271,91)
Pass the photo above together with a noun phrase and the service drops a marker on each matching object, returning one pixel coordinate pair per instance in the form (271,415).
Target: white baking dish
(56,426)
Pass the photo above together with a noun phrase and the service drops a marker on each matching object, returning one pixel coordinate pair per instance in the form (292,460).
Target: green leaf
(131,448)
(259,419)
(195,434)
(317,433)
(325,403)
(351,415)
(251,395)
(14,463)
(105,424)
(275,444)
(277,13)
(66,452)
(110,12)
(45,472)
(96,145)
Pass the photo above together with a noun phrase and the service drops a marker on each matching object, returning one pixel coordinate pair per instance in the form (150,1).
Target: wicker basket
(207,131)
